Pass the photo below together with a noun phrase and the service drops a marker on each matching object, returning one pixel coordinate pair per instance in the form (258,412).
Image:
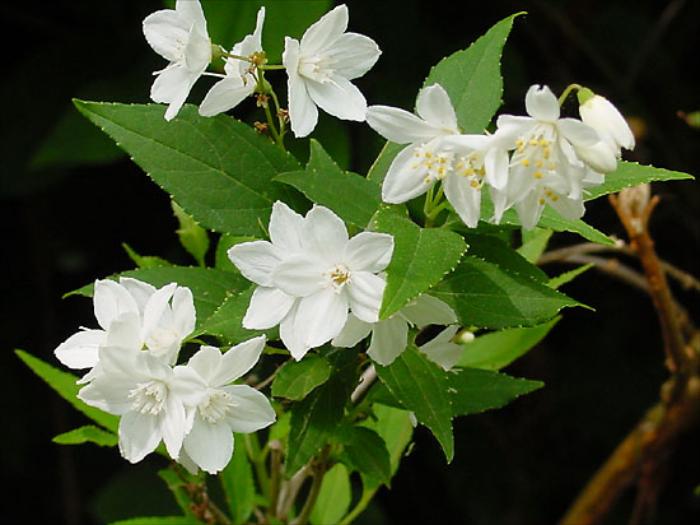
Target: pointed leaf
(238,483)
(87,434)
(630,174)
(193,237)
(534,243)
(566,277)
(297,378)
(226,322)
(334,498)
(364,451)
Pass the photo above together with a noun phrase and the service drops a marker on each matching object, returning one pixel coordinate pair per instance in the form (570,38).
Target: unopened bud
(464,337)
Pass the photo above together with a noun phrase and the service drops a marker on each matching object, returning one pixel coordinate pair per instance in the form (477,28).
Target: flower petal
(157,309)
(239,360)
(389,339)
(165,30)
(206,362)
(256,260)
(321,317)
(267,308)
(496,167)
(400,126)
(139,290)
(325,234)
(601,156)
(299,275)
(80,349)
(601,114)
(125,332)
(173,425)
(184,313)
(325,31)
(465,199)
(303,113)
(435,107)
(365,291)
(290,337)
(139,435)
(530,209)
(191,11)
(353,55)
(286,228)
(442,350)
(406,178)
(541,103)
(369,251)
(209,445)
(427,310)
(172,86)
(111,300)
(338,97)
(225,95)
(252,410)
(352,333)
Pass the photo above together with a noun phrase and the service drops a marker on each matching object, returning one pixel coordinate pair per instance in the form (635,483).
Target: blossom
(437,151)
(320,68)
(225,408)
(151,397)
(239,82)
(133,314)
(599,113)
(389,337)
(180,36)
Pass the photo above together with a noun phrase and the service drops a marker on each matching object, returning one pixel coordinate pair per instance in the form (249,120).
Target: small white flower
(239,83)
(599,113)
(320,69)
(390,336)
(437,152)
(180,36)
(151,398)
(225,408)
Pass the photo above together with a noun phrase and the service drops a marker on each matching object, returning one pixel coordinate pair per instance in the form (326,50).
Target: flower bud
(600,114)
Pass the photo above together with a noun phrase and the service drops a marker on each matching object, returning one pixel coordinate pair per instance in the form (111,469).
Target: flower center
(436,164)
(535,154)
(149,398)
(216,406)
(471,167)
(316,67)
(338,276)
(161,340)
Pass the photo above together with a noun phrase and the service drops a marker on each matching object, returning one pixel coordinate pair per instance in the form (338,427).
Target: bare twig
(614,268)
(367,379)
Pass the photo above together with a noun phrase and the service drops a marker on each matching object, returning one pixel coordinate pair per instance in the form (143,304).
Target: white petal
(529,210)
(571,209)
(256,260)
(511,128)
(321,317)
(325,233)
(400,126)
(426,310)
(303,113)
(252,410)
(139,435)
(157,308)
(110,300)
(184,313)
(125,332)
(286,227)
(369,251)
(191,11)
(602,115)
(541,104)
(209,445)
(389,339)
(80,349)
(434,106)
(239,360)
(198,52)
(267,308)
(325,31)
(496,167)
(576,132)
(353,55)
(206,362)
(501,203)
(365,291)
(172,86)
(338,97)
(601,157)
(465,200)
(405,179)
(187,385)
(299,275)
(139,290)
(352,333)
(173,425)
(165,31)
(441,350)
(290,337)
(225,95)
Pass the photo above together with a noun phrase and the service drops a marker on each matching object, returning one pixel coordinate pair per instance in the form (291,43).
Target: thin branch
(367,379)
(612,267)
(319,470)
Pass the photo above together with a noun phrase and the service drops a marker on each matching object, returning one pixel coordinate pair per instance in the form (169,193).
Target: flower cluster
(193,409)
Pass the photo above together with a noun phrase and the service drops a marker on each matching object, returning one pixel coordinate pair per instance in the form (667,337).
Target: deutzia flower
(600,114)
(180,36)
(225,408)
(151,397)
(320,69)
(390,336)
(238,83)
(134,311)
(331,276)
(436,152)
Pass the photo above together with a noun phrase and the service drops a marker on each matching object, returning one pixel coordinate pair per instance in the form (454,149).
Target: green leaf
(473,390)
(209,287)
(352,197)
(472,78)
(221,260)
(365,452)
(315,419)
(386,156)
(394,426)
(486,295)
(87,434)
(566,277)
(421,258)
(193,237)
(334,498)
(534,243)
(419,385)
(495,350)
(159,520)
(144,261)
(630,174)
(297,378)
(226,322)
(238,483)
(177,488)
(498,252)
(551,219)
(218,169)
(66,386)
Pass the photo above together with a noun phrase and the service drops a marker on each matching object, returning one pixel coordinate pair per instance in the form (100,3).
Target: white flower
(390,336)
(238,83)
(151,398)
(442,349)
(180,36)
(225,408)
(320,69)
(132,314)
(438,152)
(599,113)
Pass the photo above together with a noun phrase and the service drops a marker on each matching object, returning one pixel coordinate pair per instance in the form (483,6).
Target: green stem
(271,67)
(359,508)
(253,448)
(319,471)
(236,57)
(567,92)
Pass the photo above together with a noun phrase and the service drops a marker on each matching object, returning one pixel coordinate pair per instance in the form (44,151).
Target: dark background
(68,199)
